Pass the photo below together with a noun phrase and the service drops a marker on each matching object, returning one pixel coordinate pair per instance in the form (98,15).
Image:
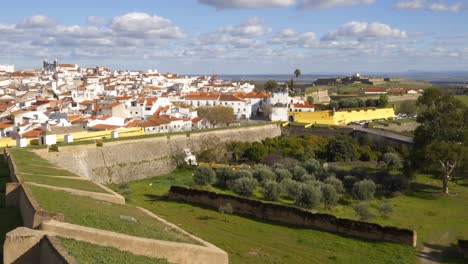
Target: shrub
(335,182)
(291,188)
(363,212)
(263,173)
(312,166)
(308,197)
(282,174)
(238,174)
(306,178)
(329,195)
(364,190)
(245,186)
(298,172)
(349,181)
(278,165)
(271,191)
(392,161)
(385,209)
(204,176)
(223,175)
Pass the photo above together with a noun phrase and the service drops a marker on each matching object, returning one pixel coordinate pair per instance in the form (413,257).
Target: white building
(9,68)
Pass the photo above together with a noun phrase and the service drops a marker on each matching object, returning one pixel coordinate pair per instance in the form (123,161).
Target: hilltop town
(66,98)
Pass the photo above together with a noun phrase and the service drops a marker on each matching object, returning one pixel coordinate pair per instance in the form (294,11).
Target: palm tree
(297,72)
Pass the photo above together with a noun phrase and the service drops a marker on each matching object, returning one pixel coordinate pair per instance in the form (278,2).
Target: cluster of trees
(441,140)
(302,148)
(217,114)
(308,184)
(357,102)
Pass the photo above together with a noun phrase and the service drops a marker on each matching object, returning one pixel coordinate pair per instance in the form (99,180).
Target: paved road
(386,134)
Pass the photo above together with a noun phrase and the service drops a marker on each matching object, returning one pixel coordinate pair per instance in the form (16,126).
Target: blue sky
(239,36)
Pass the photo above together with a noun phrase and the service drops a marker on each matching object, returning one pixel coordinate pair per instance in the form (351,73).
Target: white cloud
(223,4)
(290,37)
(95,20)
(142,25)
(37,21)
(322,4)
(252,27)
(364,30)
(446,8)
(440,6)
(414,4)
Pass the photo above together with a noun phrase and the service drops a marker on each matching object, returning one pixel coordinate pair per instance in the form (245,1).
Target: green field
(118,218)
(85,252)
(252,241)
(463,98)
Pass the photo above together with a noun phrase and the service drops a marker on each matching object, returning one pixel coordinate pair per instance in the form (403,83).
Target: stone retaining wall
(295,216)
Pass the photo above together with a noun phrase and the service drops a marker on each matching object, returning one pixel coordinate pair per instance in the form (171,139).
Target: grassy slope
(33,168)
(66,183)
(30,162)
(85,252)
(251,241)
(107,216)
(10,218)
(463,98)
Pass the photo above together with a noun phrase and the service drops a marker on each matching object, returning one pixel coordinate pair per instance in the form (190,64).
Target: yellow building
(341,117)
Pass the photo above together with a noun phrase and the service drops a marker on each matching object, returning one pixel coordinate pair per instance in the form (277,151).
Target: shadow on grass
(424,191)
(155,198)
(441,253)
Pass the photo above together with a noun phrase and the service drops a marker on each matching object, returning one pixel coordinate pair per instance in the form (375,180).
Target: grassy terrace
(78,184)
(85,252)
(33,168)
(89,212)
(252,241)
(463,98)
(29,162)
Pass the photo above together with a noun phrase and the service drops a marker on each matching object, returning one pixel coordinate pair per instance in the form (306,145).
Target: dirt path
(431,253)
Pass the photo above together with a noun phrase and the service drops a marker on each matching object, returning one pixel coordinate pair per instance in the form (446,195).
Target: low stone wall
(295,216)
(24,245)
(463,248)
(173,252)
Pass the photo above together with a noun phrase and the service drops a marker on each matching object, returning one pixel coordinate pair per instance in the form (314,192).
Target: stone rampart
(295,216)
(129,160)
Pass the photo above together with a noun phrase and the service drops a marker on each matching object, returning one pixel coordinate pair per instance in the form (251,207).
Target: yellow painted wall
(342,117)
(80,136)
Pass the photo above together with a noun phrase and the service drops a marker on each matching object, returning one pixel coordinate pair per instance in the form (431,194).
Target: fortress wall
(129,160)
(295,216)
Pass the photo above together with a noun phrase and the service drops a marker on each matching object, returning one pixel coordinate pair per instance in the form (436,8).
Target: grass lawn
(252,241)
(119,218)
(29,162)
(463,98)
(85,252)
(78,184)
